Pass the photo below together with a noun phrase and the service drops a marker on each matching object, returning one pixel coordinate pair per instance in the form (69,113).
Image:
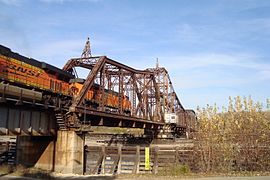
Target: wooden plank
(137,161)
(119,167)
(155,166)
(103,152)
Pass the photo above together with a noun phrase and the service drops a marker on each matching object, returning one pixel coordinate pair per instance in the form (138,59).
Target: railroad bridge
(49,125)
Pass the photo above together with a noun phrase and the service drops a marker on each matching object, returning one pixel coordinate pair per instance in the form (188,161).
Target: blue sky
(212,49)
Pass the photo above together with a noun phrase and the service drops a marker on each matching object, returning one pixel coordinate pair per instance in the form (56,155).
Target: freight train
(38,81)
(50,81)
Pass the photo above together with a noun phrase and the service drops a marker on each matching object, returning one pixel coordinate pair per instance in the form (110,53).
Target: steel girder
(150,91)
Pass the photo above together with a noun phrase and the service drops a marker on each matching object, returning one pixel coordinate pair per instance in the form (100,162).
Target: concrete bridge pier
(63,154)
(69,152)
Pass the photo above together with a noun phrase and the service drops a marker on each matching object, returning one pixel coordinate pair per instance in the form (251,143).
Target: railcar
(94,96)
(32,74)
(181,123)
(39,81)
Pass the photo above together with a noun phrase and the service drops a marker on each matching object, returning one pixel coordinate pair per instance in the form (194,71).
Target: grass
(5,169)
(22,171)
(179,173)
(170,171)
(174,170)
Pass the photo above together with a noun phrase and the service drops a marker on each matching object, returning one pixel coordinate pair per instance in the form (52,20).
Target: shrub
(235,138)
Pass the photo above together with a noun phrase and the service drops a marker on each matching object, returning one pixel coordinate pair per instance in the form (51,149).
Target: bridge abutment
(69,149)
(63,154)
(37,151)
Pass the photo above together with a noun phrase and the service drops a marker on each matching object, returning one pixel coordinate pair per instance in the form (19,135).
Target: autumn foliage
(235,138)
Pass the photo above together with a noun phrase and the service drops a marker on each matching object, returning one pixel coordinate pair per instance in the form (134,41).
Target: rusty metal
(87,49)
(139,98)
(150,91)
(26,120)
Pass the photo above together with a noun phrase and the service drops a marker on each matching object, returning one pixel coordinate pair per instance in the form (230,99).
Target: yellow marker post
(147,159)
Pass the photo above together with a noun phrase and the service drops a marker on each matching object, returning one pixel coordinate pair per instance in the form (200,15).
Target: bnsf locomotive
(48,81)
(38,81)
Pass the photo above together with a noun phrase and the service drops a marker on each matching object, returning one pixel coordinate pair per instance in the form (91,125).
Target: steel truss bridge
(47,129)
(150,91)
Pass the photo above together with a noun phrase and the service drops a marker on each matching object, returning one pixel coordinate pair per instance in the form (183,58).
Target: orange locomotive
(30,73)
(94,96)
(19,72)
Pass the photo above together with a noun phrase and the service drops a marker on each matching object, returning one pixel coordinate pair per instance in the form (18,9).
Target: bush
(237,138)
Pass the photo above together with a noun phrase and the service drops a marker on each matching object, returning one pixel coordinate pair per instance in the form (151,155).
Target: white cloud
(58,52)
(187,32)
(256,25)
(264,74)
(11,2)
(211,59)
(216,70)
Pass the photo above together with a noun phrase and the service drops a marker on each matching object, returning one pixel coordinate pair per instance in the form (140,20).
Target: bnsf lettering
(20,69)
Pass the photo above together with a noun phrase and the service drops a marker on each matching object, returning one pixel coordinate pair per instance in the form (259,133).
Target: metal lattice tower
(87,49)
